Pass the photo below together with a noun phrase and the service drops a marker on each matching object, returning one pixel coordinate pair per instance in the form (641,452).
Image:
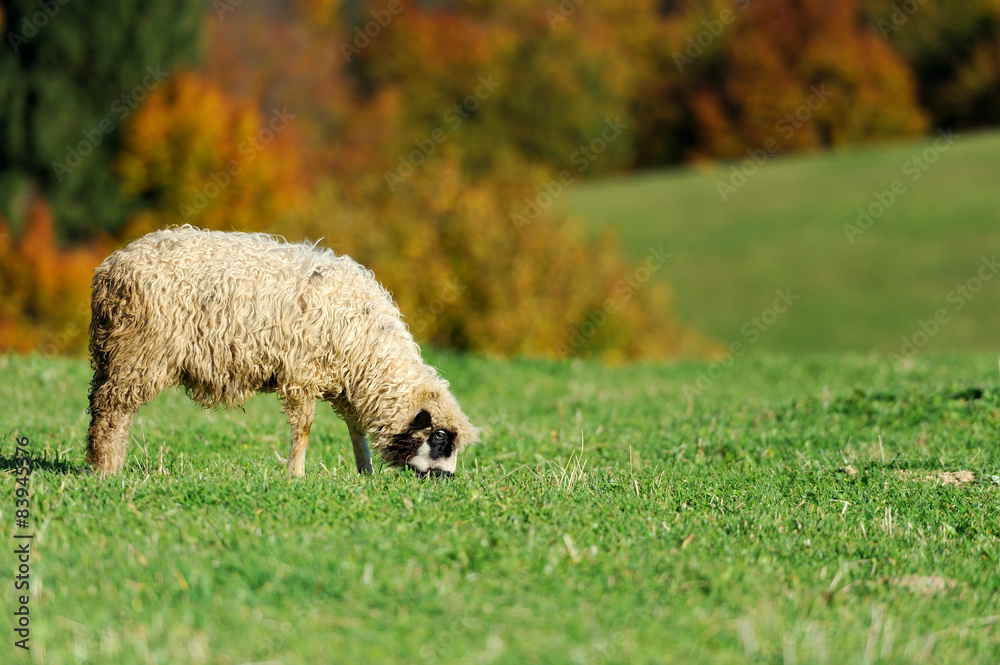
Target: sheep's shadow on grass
(44,463)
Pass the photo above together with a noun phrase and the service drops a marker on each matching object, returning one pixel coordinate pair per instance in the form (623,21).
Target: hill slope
(784,228)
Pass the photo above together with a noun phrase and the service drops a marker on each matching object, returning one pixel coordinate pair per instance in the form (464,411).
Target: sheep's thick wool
(227,315)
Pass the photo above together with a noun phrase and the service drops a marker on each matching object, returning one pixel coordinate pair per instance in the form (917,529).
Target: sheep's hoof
(362,453)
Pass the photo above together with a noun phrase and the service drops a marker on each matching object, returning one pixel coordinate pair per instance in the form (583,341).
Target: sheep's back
(230,314)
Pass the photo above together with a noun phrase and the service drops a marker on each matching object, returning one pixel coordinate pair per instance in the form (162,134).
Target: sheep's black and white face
(436,456)
(428,450)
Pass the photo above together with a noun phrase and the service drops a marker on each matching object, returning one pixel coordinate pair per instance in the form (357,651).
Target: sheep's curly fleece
(227,315)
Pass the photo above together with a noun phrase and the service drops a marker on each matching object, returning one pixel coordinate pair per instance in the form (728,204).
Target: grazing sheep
(228,315)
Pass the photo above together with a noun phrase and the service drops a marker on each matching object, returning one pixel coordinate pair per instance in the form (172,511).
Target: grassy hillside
(784,229)
(786,512)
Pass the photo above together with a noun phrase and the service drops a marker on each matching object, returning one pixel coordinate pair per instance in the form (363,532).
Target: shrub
(45,289)
(470,276)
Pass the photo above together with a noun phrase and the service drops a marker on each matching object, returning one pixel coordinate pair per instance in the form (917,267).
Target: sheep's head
(430,442)
(425,448)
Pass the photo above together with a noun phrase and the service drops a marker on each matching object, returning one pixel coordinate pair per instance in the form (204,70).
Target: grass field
(784,228)
(605,518)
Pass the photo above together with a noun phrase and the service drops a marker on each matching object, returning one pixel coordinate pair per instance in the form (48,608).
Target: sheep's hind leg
(300,416)
(362,454)
(113,403)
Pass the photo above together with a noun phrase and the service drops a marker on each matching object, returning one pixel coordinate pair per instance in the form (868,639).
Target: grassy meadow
(784,228)
(794,511)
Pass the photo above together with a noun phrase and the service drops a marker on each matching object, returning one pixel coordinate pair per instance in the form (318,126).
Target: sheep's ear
(422,421)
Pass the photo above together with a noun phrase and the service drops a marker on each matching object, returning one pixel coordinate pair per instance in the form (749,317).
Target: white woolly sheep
(228,315)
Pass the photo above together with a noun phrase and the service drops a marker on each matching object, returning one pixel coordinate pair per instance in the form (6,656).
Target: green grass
(604,519)
(784,228)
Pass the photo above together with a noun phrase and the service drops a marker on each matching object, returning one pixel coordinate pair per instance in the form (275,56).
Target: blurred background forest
(432,140)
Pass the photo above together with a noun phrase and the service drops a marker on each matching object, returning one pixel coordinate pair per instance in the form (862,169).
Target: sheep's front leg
(300,417)
(362,454)
(107,440)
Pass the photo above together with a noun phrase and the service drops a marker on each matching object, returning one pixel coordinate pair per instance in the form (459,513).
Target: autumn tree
(789,74)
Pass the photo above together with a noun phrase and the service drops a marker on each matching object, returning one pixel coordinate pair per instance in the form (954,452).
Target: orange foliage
(45,290)
(202,158)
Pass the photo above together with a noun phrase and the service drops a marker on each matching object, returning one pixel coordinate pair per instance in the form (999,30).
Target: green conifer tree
(71,73)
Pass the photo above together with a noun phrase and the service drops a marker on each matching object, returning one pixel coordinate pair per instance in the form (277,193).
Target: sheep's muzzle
(434,473)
